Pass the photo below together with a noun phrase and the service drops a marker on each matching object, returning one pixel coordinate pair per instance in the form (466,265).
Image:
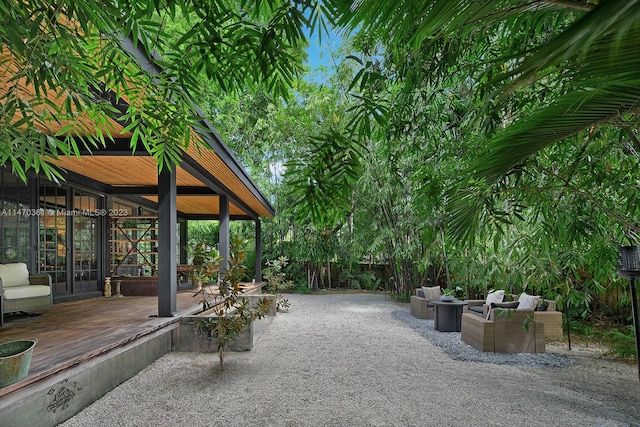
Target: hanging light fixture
(629,268)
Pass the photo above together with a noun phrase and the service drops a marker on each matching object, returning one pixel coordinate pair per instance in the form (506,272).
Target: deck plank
(72,332)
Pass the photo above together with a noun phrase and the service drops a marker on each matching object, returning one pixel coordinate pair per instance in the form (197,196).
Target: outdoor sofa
(545,312)
(20,291)
(504,331)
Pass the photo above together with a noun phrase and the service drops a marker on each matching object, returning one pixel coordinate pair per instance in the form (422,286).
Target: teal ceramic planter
(15,360)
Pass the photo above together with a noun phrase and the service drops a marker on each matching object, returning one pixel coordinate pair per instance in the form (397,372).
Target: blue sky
(319,55)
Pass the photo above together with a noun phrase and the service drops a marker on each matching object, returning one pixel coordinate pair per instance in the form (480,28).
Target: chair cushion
(17,292)
(496,296)
(476,308)
(15,274)
(432,293)
(527,302)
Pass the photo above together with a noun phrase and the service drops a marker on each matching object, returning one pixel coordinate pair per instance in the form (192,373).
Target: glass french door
(54,249)
(85,243)
(69,232)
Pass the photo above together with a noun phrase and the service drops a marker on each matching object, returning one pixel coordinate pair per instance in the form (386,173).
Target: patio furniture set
(522,325)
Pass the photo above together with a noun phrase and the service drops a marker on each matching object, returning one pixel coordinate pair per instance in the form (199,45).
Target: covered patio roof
(200,178)
(208,168)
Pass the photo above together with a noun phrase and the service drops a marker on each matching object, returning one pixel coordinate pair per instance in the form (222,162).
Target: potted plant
(541,305)
(449,294)
(203,259)
(15,360)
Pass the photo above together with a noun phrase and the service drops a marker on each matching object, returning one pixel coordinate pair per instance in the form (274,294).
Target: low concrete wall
(52,401)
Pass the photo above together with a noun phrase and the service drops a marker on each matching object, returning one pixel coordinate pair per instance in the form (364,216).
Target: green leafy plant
(453,291)
(199,253)
(621,342)
(277,281)
(230,312)
(368,280)
(207,259)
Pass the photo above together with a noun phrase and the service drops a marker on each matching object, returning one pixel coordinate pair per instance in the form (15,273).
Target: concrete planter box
(185,337)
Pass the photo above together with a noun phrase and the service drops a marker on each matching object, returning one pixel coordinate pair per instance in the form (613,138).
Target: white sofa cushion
(17,292)
(496,296)
(528,302)
(15,274)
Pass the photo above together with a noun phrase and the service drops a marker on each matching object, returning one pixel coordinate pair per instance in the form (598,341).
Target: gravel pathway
(361,360)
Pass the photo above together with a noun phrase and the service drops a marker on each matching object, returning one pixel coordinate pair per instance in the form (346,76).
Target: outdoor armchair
(546,313)
(20,291)
(421,306)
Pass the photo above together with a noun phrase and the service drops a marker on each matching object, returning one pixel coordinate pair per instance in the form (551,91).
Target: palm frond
(605,84)
(611,20)
(567,116)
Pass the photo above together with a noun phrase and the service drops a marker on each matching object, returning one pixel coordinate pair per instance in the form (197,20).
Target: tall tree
(576,57)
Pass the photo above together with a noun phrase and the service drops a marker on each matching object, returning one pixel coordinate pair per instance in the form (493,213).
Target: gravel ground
(361,360)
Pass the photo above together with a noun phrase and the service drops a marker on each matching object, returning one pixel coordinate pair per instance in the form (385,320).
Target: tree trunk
(446,260)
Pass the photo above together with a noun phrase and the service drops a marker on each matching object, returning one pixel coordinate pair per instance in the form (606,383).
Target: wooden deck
(73,332)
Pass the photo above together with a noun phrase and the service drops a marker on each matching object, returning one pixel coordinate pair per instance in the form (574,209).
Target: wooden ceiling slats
(82,124)
(136,170)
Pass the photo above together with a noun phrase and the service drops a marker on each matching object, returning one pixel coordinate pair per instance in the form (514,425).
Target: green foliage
(325,174)
(207,259)
(206,232)
(228,313)
(579,327)
(250,265)
(276,281)
(77,50)
(400,297)
(361,280)
(621,342)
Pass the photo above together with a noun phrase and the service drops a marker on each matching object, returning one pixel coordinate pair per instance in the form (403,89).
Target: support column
(224,234)
(184,240)
(104,250)
(258,266)
(167,217)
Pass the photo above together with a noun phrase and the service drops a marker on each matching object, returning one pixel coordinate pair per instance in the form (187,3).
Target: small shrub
(232,313)
(621,343)
(277,282)
(369,280)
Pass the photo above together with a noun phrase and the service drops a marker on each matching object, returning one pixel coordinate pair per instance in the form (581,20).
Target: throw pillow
(420,293)
(496,296)
(527,302)
(509,304)
(432,293)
